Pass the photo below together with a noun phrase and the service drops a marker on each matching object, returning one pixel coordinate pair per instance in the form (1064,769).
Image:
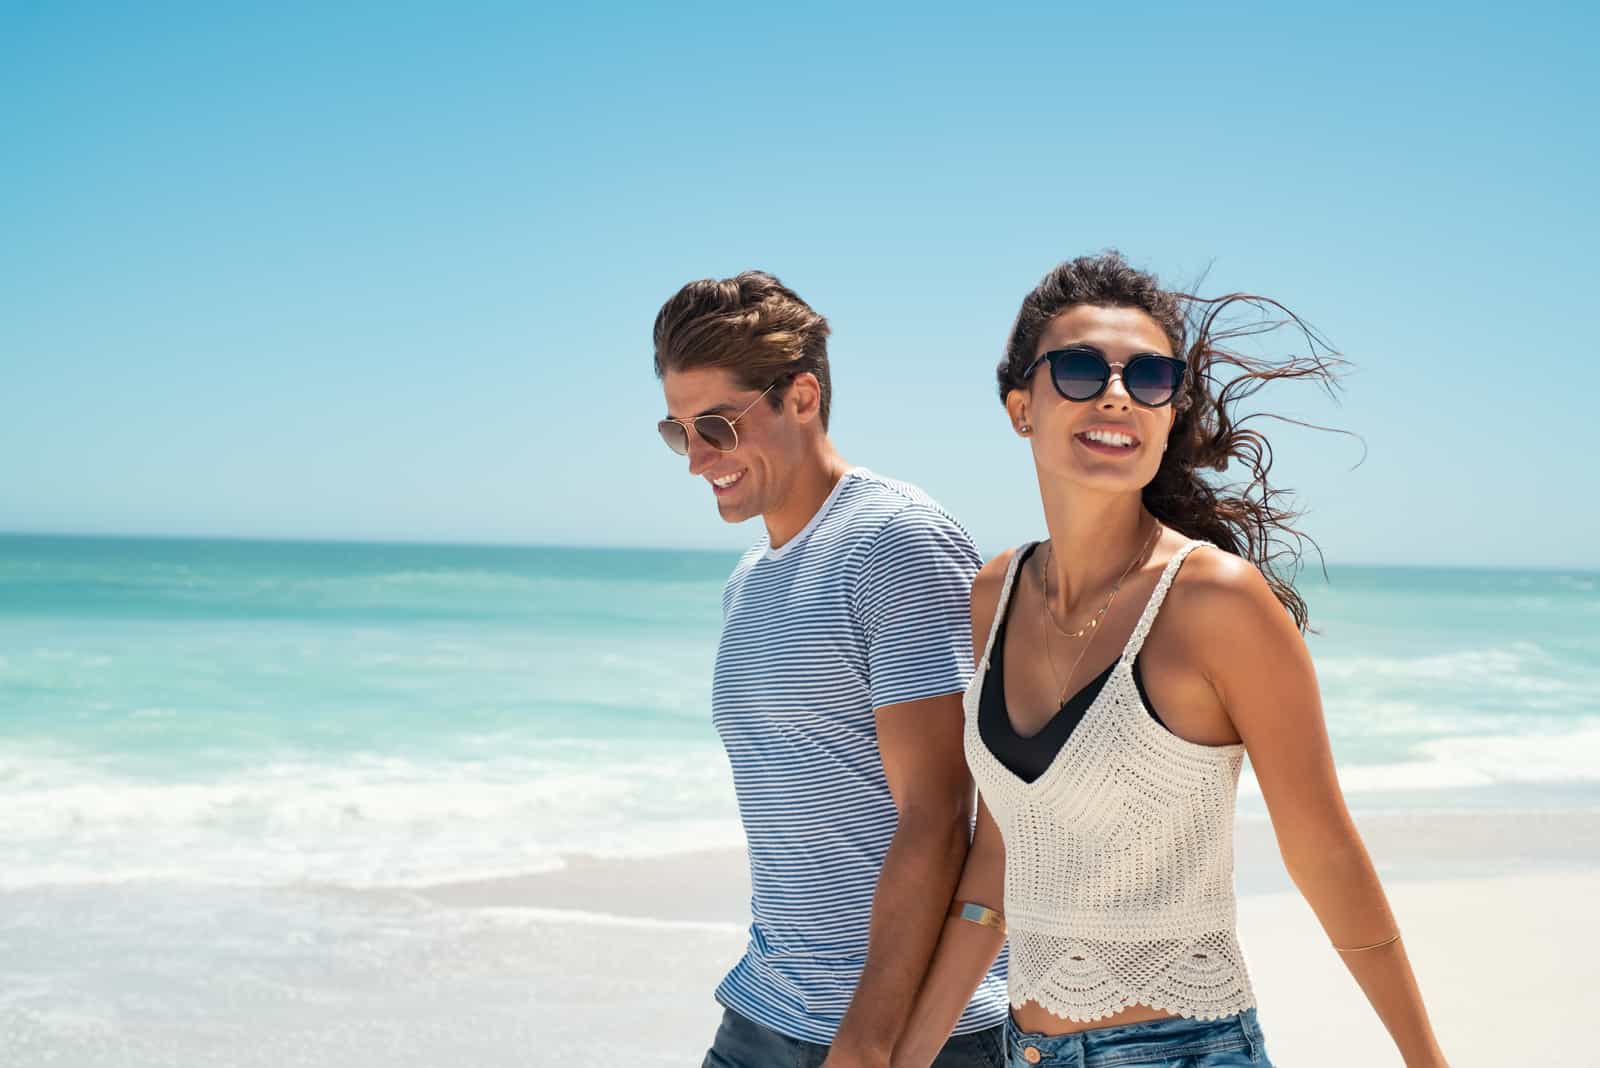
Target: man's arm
(920,743)
(912,601)
(966,951)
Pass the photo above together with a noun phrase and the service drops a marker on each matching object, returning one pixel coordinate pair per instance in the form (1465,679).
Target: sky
(388,272)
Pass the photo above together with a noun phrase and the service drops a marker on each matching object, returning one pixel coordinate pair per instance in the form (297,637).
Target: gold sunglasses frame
(689,425)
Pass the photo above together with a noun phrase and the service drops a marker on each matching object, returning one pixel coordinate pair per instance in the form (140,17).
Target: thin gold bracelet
(1391,940)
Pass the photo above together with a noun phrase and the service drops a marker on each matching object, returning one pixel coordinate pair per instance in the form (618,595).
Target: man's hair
(752,326)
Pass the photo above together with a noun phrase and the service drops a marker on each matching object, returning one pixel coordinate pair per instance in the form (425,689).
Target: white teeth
(727,480)
(1109,437)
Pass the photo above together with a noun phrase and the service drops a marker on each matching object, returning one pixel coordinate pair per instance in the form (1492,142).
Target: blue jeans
(742,1043)
(1231,1042)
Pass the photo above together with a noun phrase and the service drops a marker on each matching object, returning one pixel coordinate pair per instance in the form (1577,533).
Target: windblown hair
(1252,518)
(751,325)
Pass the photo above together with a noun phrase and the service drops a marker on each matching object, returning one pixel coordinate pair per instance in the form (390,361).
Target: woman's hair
(1251,518)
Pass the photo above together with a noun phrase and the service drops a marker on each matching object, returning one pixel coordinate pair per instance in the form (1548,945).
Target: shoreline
(712,886)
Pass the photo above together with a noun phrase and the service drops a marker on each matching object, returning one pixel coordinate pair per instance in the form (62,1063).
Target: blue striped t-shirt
(865,607)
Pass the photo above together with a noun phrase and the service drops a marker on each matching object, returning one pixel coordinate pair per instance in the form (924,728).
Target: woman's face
(1111,443)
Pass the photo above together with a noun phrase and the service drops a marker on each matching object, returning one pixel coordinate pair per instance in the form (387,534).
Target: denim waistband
(1137,1043)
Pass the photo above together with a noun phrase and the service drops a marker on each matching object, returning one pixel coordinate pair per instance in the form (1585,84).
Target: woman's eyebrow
(1097,350)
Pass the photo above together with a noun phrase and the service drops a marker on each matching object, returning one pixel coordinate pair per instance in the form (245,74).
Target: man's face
(750,480)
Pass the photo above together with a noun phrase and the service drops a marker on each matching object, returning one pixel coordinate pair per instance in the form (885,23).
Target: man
(845,647)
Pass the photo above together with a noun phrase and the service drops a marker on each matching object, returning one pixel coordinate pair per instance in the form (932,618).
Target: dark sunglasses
(1082,374)
(714,430)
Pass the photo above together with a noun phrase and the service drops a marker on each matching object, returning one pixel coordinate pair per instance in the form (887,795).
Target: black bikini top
(1028,757)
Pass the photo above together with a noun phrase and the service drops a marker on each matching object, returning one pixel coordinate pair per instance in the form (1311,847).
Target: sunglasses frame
(1120,368)
(689,424)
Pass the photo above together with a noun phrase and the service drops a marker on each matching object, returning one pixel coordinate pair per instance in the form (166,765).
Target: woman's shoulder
(990,581)
(1222,595)
(993,571)
(1218,585)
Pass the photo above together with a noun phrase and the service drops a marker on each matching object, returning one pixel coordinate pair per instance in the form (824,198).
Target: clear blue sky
(388,271)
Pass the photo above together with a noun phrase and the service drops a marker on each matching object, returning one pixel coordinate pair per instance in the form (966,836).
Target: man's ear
(805,397)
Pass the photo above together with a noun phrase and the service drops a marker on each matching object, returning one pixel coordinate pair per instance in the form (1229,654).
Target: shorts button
(1031,1054)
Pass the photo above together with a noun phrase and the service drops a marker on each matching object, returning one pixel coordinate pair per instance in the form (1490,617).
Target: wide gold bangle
(981,915)
(1391,940)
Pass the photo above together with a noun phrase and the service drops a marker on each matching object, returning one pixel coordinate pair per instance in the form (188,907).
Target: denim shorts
(1231,1042)
(743,1043)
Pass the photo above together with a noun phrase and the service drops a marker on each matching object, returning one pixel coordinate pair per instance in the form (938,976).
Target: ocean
(390,715)
(205,743)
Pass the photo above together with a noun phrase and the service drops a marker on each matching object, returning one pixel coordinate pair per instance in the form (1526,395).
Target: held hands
(843,1057)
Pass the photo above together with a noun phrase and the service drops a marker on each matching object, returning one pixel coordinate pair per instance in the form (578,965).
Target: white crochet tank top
(1119,858)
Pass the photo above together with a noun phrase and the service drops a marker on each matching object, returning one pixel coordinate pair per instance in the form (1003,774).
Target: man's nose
(701,455)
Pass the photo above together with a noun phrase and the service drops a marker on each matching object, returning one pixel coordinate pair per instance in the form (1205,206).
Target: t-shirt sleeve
(913,604)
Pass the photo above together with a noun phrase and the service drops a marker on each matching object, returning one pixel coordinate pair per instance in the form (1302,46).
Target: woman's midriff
(1036,1018)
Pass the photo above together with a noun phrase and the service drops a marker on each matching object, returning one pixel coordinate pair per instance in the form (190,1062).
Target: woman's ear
(1017,402)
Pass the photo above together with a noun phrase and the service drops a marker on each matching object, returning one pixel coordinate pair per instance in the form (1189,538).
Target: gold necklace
(1093,623)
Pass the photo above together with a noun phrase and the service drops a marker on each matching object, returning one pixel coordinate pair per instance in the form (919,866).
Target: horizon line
(615,547)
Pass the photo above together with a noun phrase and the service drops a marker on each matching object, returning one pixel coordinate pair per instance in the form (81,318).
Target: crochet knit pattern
(1119,858)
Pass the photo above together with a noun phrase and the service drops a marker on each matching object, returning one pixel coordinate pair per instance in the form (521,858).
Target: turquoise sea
(366,715)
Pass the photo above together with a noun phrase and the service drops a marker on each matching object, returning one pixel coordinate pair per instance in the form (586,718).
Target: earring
(1026,428)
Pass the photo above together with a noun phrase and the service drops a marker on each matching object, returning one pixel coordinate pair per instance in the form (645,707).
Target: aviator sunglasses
(1081,373)
(715,430)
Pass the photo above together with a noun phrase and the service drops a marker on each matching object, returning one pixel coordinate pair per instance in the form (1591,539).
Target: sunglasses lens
(1152,380)
(717,431)
(674,435)
(1077,375)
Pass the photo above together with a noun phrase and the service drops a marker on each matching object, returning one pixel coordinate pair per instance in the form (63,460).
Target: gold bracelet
(1391,940)
(981,915)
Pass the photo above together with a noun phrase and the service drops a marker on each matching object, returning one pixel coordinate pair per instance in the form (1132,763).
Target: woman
(1125,668)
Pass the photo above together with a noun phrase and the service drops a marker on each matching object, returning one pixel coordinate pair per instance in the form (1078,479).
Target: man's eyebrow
(717,410)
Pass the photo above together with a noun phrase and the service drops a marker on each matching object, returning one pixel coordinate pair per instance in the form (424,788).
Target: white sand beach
(615,960)
(1496,910)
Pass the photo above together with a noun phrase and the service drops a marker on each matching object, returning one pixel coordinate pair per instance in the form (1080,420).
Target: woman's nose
(1116,394)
